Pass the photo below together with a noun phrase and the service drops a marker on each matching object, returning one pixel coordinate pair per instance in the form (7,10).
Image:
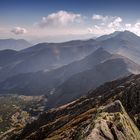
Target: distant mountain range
(85,90)
(44,57)
(68,70)
(79,84)
(14,44)
(41,82)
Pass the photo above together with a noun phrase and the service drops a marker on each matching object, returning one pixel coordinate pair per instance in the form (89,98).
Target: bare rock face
(109,122)
(113,123)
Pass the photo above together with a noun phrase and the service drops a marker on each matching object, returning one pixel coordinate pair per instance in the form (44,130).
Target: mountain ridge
(77,116)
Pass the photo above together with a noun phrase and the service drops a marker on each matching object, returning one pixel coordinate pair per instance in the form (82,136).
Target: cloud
(63,25)
(115,23)
(110,21)
(18,30)
(61,18)
(100,17)
(97,27)
(99,30)
(133,27)
(128,25)
(90,30)
(105,25)
(137,25)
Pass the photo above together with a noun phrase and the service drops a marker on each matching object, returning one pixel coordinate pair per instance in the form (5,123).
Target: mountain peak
(126,35)
(126,32)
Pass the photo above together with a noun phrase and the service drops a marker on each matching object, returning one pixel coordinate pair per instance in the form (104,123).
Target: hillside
(82,117)
(124,43)
(44,81)
(79,84)
(16,111)
(45,57)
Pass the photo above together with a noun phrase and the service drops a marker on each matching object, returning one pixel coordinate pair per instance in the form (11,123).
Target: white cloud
(99,17)
(107,24)
(133,28)
(90,30)
(110,21)
(61,18)
(115,23)
(100,30)
(18,30)
(102,23)
(69,25)
(137,25)
(128,25)
(97,27)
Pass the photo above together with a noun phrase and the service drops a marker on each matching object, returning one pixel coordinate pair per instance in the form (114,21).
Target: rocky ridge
(80,119)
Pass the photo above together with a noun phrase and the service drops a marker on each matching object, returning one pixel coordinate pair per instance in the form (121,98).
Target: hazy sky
(60,20)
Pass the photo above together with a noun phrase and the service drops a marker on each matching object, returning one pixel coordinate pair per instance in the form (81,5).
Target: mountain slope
(7,56)
(108,36)
(81,83)
(47,56)
(81,118)
(43,81)
(124,35)
(124,43)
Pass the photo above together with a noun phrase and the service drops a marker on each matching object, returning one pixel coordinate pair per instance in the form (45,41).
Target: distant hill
(49,56)
(46,56)
(14,44)
(69,82)
(44,81)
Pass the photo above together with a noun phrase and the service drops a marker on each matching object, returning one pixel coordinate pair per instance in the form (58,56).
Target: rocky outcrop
(113,123)
(84,117)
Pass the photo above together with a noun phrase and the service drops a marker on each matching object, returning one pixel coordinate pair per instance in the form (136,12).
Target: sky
(62,20)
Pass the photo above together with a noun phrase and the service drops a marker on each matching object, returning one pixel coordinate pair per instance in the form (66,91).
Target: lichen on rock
(112,123)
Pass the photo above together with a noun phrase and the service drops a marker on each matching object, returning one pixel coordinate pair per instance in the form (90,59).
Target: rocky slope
(112,122)
(85,118)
